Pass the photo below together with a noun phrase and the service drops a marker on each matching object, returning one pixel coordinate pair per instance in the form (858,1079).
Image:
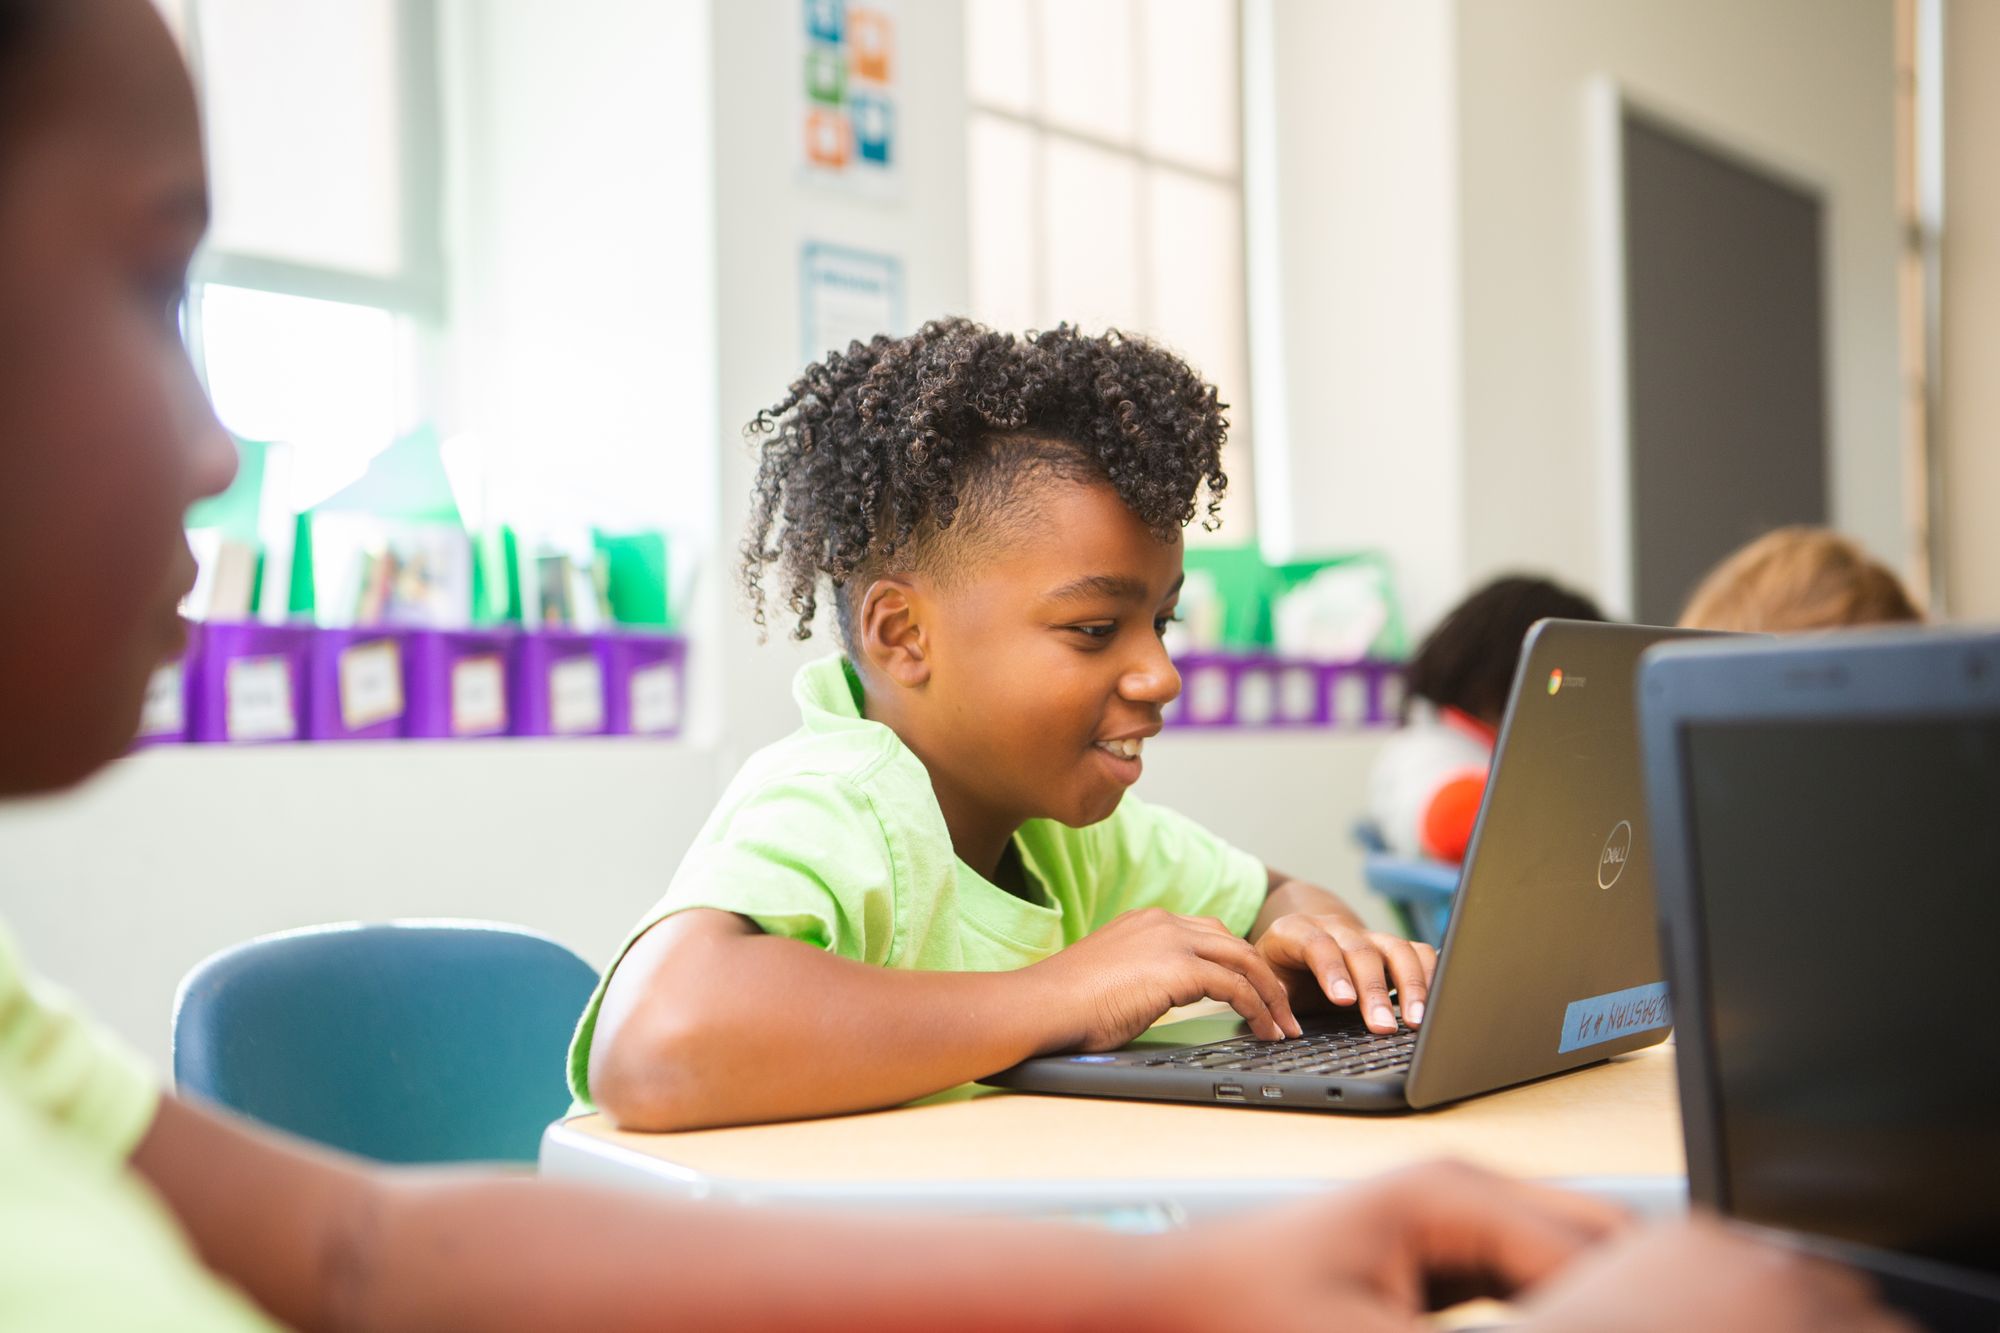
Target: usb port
(1229,1092)
(1271,1092)
(1333,1094)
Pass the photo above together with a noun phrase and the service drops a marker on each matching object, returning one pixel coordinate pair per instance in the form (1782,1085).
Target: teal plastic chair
(1417,888)
(421,1041)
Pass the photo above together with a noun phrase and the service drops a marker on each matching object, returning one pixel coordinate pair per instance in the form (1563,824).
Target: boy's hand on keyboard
(1334,957)
(1115,982)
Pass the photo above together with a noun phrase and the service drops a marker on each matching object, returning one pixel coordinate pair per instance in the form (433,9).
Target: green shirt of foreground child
(944,858)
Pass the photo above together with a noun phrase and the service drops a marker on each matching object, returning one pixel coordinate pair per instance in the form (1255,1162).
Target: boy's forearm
(749,1027)
(1286,895)
(324,1242)
(534,1255)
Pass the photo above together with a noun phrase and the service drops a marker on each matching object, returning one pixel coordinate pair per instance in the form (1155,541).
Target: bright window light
(320,376)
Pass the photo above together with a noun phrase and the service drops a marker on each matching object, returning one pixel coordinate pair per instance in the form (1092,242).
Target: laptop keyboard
(1344,1054)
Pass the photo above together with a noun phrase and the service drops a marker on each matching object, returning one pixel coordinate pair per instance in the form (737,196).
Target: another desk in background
(1613,1130)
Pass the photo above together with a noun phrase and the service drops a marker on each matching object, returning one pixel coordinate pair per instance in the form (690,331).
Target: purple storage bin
(355,687)
(1257,690)
(459,682)
(1208,691)
(645,683)
(1386,699)
(559,683)
(1364,694)
(248,683)
(164,718)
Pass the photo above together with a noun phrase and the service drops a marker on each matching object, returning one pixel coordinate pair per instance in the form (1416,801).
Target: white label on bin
(257,692)
(1298,693)
(1208,695)
(478,695)
(1256,699)
(371,684)
(656,698)
(165,713)
(576,696)
(1350,699)
(1389,696)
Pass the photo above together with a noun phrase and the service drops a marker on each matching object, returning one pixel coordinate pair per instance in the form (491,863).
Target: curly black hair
(902,453)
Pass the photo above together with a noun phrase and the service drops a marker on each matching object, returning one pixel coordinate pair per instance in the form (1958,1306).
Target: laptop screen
(1849,877)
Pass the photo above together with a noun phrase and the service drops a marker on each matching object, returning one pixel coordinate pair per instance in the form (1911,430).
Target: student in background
(123,1208)
(1799,578)
(945,855)
(1424,792)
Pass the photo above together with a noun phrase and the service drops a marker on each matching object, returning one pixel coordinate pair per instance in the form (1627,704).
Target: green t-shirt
(833,836)
(84,1242)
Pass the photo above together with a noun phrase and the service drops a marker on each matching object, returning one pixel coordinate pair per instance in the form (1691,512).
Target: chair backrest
(428,1041)
(1418,889)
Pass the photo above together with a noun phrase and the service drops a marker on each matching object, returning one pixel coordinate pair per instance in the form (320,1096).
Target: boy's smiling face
(1042,671)
(105,437)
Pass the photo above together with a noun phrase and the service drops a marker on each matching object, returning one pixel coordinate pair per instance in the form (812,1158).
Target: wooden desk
(1612,1129)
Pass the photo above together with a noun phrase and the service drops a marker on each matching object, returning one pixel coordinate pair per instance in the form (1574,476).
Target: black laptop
(1551,961)
(1826,817)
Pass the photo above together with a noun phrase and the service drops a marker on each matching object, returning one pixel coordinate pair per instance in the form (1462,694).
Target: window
(1106,181)
(321,283)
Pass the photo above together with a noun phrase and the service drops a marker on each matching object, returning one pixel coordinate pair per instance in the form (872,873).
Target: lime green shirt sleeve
(805,858)
(1154,857)
(84,1083)
(83,1242)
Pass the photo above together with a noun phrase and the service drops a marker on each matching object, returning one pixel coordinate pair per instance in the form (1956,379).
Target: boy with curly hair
(940,873)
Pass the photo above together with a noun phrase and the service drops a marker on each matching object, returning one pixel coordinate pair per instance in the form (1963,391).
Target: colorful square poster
(848,132)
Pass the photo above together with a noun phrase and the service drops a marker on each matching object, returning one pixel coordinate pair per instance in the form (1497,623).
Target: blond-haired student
(1799,578)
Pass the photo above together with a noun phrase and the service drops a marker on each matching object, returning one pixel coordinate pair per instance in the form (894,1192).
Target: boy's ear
(891,629)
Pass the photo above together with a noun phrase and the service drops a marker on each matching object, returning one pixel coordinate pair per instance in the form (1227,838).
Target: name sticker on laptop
(1605,1018)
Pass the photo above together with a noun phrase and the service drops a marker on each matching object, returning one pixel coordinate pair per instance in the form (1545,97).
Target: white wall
(1970,416)
(1355,316)
(1804,84)
(578,159)
(118,889)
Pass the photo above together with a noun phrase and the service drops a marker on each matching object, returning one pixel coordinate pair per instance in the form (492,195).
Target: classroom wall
(1355,320)
(1969,419)
(1804,84)
(764,211)
(577,227)
(1437,295)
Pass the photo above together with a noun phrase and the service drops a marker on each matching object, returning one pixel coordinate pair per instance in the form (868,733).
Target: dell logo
(1611,861)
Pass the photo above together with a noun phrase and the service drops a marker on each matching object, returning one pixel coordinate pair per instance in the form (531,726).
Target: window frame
(1041,129)
(416,293)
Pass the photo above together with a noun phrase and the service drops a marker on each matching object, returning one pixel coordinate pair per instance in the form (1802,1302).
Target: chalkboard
(1725,357)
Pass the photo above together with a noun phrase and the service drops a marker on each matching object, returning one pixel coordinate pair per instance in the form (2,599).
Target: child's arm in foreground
(709,1021)
(321,1242)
